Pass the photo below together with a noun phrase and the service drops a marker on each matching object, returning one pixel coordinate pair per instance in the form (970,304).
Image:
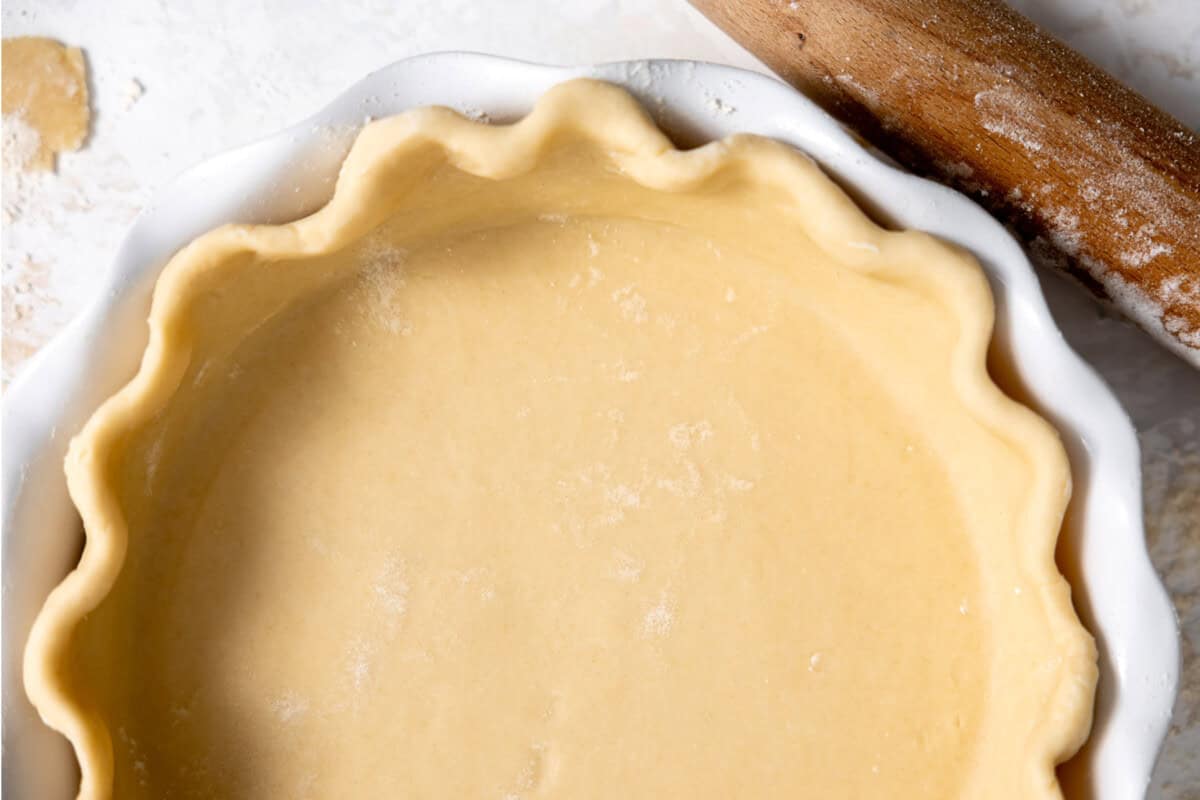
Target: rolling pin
(1095,179)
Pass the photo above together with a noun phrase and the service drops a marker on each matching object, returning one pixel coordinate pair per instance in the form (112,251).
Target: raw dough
(45,89)
(550,461)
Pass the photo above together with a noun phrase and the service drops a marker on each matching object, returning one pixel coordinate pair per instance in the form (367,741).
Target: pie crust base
(548,460)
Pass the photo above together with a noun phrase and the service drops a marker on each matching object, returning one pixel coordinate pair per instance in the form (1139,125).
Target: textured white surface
(224,72)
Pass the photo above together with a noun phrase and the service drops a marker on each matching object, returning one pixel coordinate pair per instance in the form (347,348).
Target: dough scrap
(45,89)
(547,460)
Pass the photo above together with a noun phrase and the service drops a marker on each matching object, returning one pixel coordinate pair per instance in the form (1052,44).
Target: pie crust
(548,460)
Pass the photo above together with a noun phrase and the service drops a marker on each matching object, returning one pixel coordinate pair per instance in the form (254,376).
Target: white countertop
(174,83)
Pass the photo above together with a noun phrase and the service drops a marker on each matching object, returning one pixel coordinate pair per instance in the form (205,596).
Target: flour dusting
(289,707)
(476,115)
(359,655)
(659,620)
(626,374)
(684,435)
(737,484)
(136,754)
(623,496)
(131,93)
(686,485)
(1004,112)
(718,106)
(626,568)
(391,589)
(21,144)
(22,184)
(382,277)
(631,303)
(749,334)
(868,96)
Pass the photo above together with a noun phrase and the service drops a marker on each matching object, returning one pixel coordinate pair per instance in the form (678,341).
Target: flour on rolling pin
(1098,181)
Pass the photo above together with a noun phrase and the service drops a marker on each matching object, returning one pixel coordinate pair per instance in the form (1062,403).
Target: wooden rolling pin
(1100,182)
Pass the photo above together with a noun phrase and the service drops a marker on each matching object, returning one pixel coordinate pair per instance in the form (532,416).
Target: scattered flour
(868,96)
(1006,113)
(659,620)
(1180,287)
(718,106)
(1064,232)
(391,589)
(686,485)
(684,435)
(623,496)
(749,334)
(21,143)
(531,775)
(625,373)
(594,277)
(631,303)
(136,755)
(479,577)
(594,498)
(289,707)
(626,568)
(1136,214)
(1143,247)
(387,594)
(131,93)
(476,114)
(382,277)
(739,484)
(359,655)
(955,169)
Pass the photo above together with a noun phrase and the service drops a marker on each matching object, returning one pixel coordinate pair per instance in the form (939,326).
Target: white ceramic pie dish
(291,173)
